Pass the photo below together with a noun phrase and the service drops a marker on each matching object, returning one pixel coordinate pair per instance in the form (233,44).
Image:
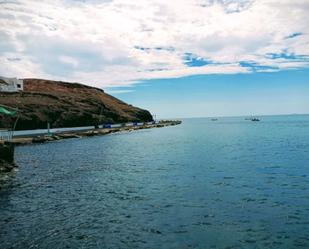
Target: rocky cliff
(65,104)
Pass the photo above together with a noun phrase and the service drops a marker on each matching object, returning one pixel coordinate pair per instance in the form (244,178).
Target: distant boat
(253,119)
(214,119)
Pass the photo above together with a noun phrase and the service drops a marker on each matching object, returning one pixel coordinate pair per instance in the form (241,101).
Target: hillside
(65,104)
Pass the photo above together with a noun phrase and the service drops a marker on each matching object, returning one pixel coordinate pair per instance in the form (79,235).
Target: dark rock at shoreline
(6,157)
(65,104)
(6,166)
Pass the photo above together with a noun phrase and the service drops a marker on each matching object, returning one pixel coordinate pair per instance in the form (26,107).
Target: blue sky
(176,58)
(283,92)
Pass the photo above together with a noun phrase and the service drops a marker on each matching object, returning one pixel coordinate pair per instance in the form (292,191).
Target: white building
(11,84)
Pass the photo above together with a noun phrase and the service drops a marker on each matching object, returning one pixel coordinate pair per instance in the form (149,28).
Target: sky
(220,95)
(184,58)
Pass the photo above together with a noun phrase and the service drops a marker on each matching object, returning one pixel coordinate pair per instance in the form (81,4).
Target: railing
(6,135)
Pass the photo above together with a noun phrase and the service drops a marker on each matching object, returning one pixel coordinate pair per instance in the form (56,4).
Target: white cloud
(119,42)
(118,91)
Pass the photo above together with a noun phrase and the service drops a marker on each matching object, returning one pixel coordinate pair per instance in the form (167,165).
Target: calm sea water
(226,184)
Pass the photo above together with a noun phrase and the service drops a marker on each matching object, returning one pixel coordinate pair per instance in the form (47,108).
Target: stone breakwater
(88,133)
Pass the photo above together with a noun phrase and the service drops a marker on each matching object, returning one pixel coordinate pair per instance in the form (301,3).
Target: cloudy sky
(132,47)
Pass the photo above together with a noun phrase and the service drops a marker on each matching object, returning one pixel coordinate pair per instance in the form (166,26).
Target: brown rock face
(65,104)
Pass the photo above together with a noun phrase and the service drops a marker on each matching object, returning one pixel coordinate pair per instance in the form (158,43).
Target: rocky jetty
(88,133)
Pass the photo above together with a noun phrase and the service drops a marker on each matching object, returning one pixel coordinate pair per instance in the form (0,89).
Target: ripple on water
(198,185)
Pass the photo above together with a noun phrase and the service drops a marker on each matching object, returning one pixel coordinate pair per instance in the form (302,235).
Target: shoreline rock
(6,167)
(7,157)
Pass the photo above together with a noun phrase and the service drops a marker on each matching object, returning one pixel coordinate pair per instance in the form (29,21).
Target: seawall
(87,133)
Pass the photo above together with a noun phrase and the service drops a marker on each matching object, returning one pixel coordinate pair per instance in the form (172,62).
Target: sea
(230,183)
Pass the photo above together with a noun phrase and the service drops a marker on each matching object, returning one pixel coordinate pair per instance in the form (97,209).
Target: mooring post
(7,163)
(48,129)
(7,152)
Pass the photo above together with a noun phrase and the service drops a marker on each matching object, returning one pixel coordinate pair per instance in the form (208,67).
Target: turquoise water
(231,183)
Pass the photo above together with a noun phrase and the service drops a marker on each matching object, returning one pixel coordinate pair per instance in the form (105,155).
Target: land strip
(85,133)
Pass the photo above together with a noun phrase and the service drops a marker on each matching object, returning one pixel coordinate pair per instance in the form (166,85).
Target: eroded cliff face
(65,104)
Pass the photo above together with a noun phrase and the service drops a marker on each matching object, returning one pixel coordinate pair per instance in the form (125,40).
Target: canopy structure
(5,111)
(7,134)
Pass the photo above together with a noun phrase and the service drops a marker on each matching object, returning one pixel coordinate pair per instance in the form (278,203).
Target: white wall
(11,84)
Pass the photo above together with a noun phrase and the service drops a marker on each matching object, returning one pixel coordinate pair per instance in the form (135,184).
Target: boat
(214,119)
(255,119)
